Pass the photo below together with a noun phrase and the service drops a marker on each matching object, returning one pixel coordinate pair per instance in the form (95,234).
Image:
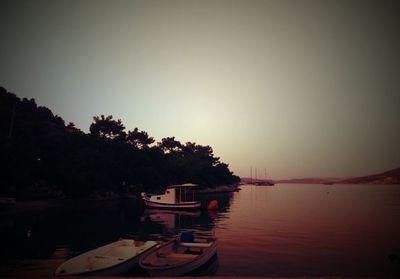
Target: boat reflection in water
(170,219)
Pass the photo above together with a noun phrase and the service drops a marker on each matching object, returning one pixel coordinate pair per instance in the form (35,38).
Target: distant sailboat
(264,182)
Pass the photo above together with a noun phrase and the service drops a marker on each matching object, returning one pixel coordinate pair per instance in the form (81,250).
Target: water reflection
(80,226)
(170,219)
(288,230)
(51,233)
(161,223)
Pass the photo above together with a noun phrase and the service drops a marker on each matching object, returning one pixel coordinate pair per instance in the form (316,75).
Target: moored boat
(174,197)
(178,257)
(112,259)
(264,183)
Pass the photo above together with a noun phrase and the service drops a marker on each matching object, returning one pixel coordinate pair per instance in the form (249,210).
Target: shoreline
(18,206)
(219,189)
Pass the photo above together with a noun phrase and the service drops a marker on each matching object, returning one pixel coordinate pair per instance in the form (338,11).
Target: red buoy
(213,205)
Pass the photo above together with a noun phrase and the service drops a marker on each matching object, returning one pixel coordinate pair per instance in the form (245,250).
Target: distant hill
(308,180)
(388,177)
(248,180)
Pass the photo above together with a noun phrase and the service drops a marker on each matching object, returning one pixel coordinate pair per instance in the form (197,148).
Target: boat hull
(116,270)
(98,262)
(174,197)
(176,206)
(181,269)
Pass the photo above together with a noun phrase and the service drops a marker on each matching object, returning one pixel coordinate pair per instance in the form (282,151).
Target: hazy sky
(301,88)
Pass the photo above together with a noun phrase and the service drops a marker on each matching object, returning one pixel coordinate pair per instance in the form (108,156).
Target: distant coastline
(387,177)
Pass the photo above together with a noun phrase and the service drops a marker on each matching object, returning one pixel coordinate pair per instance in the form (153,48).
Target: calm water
(285,230)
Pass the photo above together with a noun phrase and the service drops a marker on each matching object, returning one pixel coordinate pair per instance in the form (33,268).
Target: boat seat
(195,244)
(175,259)
(194,251)
(181,256)
(157,262)
(161,254)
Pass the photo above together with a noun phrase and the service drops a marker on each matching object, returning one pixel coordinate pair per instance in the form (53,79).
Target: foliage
(43,157)
(139,139)
(170,145)
(107,128)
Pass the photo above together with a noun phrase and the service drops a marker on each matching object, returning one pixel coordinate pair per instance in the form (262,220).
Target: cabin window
(158,198)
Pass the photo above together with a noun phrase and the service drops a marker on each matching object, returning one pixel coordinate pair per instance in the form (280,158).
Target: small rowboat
(178,258)
(112,259)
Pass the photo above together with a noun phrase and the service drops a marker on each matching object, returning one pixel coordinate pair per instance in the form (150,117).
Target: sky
(292,88)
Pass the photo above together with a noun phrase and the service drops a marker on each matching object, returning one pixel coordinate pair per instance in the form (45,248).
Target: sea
(283,230)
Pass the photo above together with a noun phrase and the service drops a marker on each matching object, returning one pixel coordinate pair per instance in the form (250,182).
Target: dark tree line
(41,156)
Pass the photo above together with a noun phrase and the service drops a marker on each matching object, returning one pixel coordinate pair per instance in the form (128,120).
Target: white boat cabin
(174,194)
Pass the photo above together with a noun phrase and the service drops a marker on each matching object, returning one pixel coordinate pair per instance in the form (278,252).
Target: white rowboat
(178,258)
(112,259)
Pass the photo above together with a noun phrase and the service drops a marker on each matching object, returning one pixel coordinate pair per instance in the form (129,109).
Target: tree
(107,128)
(200,152)
(139,139)
(71,128)
(46,158)
(169,145)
